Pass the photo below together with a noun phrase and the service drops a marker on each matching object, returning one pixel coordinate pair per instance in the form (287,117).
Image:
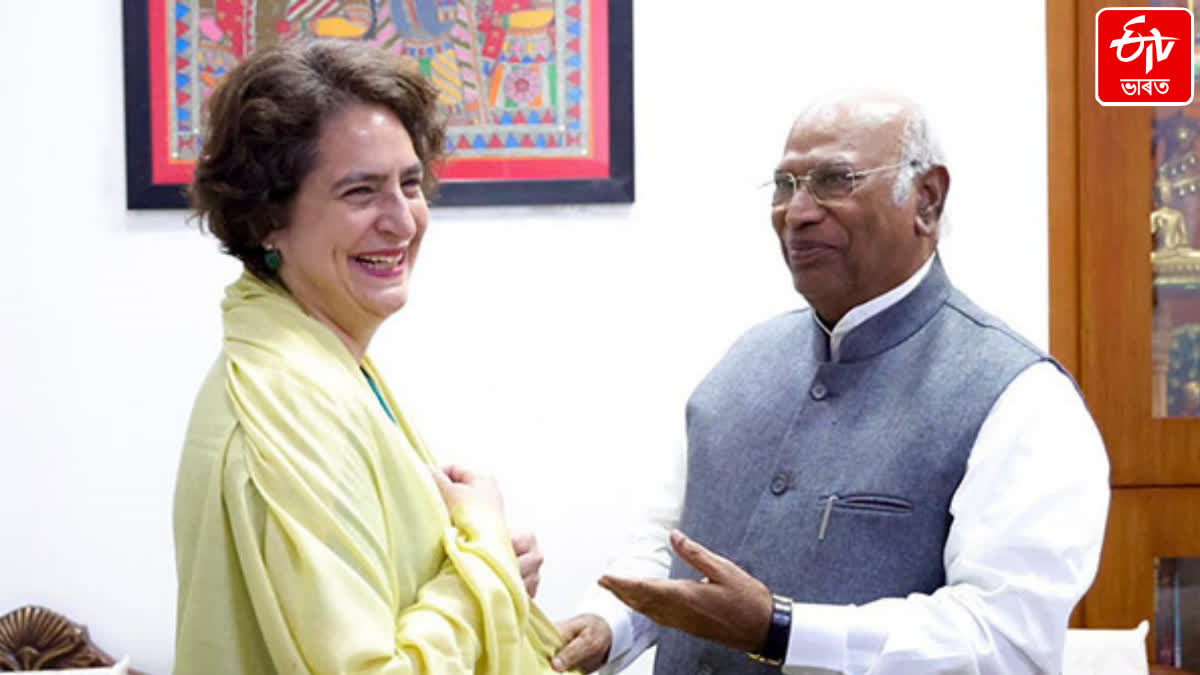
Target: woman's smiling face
(356,224)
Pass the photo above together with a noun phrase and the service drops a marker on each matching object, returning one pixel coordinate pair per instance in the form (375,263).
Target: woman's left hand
(529,560)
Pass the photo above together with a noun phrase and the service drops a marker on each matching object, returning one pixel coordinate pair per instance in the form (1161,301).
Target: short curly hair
(264,121)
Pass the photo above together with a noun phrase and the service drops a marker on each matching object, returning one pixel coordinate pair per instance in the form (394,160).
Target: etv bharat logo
(1120,43)
(1144,56)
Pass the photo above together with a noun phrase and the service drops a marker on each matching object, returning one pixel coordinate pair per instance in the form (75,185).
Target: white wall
(554,346)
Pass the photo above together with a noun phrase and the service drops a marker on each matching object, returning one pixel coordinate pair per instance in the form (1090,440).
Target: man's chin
(817,288)
(810,281)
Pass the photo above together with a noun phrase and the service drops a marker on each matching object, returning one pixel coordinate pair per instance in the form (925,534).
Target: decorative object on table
(36,638)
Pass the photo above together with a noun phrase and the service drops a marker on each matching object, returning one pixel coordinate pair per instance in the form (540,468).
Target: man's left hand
(730,606)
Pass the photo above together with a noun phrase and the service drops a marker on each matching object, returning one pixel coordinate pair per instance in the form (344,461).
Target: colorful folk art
(525,83)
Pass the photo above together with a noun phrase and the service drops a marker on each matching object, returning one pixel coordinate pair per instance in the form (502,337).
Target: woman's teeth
(380,261)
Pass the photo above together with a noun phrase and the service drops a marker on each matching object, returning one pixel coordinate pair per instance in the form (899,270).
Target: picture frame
(549,119)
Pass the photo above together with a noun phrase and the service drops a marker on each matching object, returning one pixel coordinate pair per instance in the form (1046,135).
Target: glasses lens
(785,187)
(832,182)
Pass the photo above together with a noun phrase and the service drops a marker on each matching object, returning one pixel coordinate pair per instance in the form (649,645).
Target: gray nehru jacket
(831,481)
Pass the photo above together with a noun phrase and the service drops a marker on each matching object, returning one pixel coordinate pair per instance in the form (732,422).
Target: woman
(313,534)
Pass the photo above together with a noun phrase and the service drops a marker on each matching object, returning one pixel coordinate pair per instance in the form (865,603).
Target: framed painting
(538,93)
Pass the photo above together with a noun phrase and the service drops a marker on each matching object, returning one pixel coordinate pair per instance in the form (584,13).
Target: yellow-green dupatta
(351,561)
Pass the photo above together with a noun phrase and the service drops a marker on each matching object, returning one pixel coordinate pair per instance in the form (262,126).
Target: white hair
(919,152)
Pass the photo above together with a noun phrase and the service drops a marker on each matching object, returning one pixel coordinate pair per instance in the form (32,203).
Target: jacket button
(780,483)
(818,391)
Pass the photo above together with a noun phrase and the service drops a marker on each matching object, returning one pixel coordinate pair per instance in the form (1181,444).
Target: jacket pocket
(862,502)
(868,502)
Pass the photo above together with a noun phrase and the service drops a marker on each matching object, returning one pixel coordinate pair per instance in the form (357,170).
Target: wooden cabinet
(1146,527)
(1125,308)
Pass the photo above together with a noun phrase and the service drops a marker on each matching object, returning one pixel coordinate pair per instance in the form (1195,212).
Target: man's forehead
(846,129)
(811,148)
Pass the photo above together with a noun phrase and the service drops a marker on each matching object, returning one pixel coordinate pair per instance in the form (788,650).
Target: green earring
(273,259)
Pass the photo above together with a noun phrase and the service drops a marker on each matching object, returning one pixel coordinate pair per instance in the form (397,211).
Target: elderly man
(892,481)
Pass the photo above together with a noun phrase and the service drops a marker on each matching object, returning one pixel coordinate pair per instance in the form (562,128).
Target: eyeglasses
(824,183)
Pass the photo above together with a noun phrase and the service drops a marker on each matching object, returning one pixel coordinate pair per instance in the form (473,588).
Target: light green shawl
(332,538)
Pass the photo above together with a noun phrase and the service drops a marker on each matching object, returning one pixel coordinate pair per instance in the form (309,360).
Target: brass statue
(1170,230)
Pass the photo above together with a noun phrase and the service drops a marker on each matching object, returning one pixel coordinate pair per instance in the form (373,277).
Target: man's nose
(803,208)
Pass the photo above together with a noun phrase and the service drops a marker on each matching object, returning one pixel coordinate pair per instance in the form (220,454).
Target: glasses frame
(805,179)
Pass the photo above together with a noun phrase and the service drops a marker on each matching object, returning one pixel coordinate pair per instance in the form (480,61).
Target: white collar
(859,315)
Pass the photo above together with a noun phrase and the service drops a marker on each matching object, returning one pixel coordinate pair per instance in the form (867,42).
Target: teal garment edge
(379,395)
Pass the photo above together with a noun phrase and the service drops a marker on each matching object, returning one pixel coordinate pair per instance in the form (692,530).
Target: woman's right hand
(459,486)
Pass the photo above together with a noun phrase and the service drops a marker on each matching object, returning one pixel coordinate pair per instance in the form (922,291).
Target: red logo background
(1170,80)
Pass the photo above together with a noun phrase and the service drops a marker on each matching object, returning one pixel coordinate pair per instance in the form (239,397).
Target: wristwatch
(774,651)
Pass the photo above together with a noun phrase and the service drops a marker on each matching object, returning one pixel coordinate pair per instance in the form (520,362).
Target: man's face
(844,251)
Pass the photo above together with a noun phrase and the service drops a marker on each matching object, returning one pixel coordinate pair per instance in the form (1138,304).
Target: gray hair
(919,152)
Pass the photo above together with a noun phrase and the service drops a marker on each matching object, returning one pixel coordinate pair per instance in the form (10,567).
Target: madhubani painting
(525,84)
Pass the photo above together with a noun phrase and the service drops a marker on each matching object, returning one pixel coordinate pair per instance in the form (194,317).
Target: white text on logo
(1158,52)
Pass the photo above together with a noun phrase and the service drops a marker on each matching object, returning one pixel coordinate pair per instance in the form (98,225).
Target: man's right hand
(586,641)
